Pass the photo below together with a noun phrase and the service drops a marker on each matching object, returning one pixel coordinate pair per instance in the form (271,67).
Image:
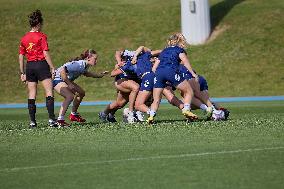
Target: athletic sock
(50,107)
(131,113)
(74,113)
(60,118)
(203,107)
(152,113)
(186,107)
(32,109)
(148,111)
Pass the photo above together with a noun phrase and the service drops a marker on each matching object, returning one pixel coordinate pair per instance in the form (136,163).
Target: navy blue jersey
(144,64)
(184,72)
(129,71)
(169,57)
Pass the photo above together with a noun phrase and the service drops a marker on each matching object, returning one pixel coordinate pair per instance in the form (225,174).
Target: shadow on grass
(220,10)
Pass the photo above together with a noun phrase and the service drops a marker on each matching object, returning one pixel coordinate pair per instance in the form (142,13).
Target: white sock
(203,107)
(148,111)
(152,113)
(186,107)
(61,117)
(131,113)
(74,113)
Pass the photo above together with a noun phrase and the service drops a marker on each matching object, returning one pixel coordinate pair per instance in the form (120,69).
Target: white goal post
(195,21)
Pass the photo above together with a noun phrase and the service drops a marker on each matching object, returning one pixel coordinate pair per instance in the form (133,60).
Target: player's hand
(104,73)
(53,73)
(122,63)
(196,77)
(23,78)
(134,60)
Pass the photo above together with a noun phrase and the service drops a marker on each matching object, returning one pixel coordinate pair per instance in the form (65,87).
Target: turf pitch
(244,152)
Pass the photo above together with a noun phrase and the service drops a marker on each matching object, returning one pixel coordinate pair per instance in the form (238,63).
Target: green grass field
(244,152)
(245,59)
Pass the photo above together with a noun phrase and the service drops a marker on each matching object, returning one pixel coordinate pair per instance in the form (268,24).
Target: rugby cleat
(33,125)
(189,115)
(150,120)
(52,123)
(139,116)
(76,118)
(111,118)
(227,112)
(131,118)
(103,117)
(208,113)
(62,123)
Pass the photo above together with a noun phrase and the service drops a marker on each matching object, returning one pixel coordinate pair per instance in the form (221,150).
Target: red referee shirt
(32,46)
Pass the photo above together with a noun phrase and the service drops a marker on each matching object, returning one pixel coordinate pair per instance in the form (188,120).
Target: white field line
(139,159)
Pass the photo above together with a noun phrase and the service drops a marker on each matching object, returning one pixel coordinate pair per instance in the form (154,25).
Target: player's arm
(95,75)
(155,65)
(137,52)
(64,77)
(22,67)
(186,63)
(116,72)
(156,52)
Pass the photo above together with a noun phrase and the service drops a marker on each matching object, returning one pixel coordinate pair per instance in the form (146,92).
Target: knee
(135,88)
(188,91)
(82,94)
(156,101)
(120,104)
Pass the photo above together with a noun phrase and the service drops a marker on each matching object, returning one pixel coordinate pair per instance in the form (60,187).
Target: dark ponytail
(35,18)
(88,53)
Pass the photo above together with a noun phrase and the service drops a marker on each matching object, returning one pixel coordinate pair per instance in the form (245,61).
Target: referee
(39,67)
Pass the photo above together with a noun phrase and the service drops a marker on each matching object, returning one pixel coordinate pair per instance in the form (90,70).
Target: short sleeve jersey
(74,69)
(169,57)
(129,70)
(183,69)
(144,63)
(32,46)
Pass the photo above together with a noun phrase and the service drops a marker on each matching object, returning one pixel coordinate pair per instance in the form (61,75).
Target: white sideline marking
(139,159)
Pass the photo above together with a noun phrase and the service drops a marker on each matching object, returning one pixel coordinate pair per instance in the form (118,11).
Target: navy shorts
(37,71)
(55,82)
(187,75)
(167,75)
(203,83)
(147,82)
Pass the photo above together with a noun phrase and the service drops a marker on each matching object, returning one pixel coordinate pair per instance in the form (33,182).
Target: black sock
(50,107)
(32,109)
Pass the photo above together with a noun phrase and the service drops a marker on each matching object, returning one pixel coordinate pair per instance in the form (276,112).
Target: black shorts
(37,71)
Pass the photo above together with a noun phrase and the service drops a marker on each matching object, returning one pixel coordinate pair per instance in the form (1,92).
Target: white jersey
(74,69)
